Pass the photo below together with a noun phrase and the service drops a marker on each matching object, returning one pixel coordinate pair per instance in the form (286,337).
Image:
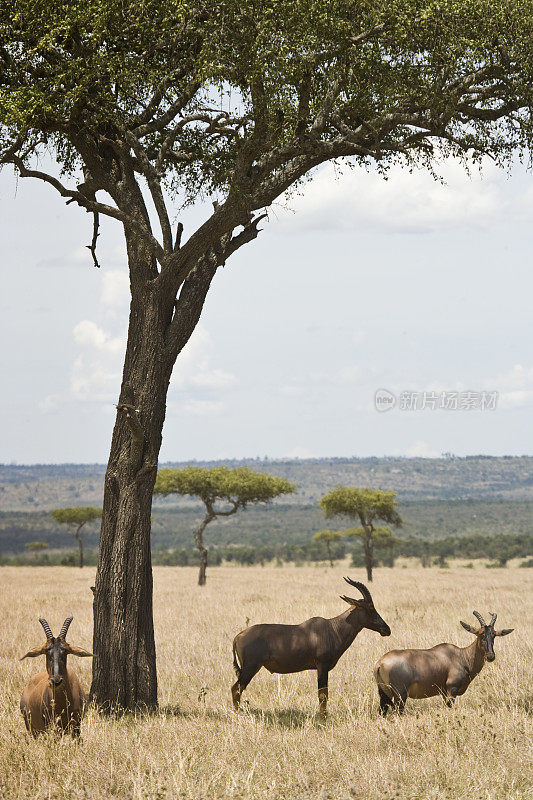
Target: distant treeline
(497,549)
(278,524)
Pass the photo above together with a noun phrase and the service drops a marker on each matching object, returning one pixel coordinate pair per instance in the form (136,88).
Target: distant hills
(41,486)
(438,498)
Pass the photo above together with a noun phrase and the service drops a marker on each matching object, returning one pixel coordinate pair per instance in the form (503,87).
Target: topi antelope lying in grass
(444,669)
(54,698)
(317,644)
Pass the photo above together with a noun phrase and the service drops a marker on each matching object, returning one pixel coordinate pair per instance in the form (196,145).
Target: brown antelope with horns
(317,644)
(444,669)
(54,698)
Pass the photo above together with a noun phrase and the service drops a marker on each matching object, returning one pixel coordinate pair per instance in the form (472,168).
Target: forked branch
(87,202)
(92,247)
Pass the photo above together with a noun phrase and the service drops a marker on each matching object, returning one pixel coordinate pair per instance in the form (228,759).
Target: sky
(418,290)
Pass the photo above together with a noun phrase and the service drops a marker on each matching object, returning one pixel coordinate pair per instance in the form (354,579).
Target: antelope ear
(77,651)
(468,627)
(36,651)
(349,600)
(503,632)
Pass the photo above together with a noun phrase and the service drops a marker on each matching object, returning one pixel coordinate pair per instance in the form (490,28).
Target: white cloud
(299,452)
(95,373)
(215,378)
(115,289)
(50,404)
(517,399)
(80,255)
(515,387)
(421,449)
(518,377)
(89,334)
(201,407)
(411,202)
(94,380)
(194,368)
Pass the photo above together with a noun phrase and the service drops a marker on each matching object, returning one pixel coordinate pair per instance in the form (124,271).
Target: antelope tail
(236,666)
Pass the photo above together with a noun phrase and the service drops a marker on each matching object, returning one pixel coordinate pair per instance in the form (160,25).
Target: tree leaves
(365,505)
(77,515)
(238,486)
(369,80)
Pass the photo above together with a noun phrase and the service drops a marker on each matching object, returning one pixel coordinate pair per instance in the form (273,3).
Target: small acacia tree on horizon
(367,506)
(327,537)
(382,539)
(148,106)
(77,517)
(236,488)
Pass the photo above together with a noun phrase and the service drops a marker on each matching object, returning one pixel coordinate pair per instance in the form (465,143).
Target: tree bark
(80,546)
(124,666)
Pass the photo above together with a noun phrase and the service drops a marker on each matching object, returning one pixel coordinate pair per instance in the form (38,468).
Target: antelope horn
(362,588)
(479,617)
(493,620)
(64,629)
(46,626)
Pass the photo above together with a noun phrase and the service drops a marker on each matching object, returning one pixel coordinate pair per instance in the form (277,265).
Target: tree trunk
(369,554)
(80,546)
(161,323)
(124,666)
(202,549)
(328,545)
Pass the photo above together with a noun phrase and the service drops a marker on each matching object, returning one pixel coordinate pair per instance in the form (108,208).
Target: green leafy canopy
(238,486)
(365,505)
(327,536)
(209,89)
(77,515)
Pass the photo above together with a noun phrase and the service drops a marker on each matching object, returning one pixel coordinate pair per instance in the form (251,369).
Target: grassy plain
(196,747)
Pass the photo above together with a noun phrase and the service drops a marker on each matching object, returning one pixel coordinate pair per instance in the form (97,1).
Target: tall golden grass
(196,747)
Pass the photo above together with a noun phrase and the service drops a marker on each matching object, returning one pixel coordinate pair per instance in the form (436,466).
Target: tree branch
(189,304)
(154,186)
(214,513)
(90,204)
(92,246)
(171,113)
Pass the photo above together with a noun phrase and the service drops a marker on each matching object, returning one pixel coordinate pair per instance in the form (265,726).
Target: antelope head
(486,633)
(56,650)
(368,616)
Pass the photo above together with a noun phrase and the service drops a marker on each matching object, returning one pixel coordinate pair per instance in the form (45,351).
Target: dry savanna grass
(196,747)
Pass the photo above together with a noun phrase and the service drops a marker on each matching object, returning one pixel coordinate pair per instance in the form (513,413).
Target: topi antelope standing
(317,644)
(54,698)
(444,669)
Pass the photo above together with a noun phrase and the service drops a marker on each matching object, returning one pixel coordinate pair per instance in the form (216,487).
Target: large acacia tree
(233,102)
